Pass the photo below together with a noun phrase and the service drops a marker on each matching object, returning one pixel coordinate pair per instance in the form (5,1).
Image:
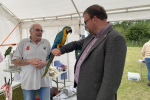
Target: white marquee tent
(55,14)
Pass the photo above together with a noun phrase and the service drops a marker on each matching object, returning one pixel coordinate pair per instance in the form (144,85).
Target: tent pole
(68,63)
(77,12)
(79,17)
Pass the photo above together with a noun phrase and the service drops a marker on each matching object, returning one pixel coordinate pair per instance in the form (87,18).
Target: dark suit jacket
(101,71)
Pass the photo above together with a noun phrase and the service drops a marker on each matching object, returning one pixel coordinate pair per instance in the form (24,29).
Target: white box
(134,76)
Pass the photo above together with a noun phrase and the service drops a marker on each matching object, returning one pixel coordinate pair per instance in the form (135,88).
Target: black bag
(53,92)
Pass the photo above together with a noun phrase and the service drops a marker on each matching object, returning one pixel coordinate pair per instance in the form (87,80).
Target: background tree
(138,31)
(122,26)
(134,30)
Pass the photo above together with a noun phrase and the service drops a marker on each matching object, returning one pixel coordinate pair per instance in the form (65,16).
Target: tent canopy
(118,10)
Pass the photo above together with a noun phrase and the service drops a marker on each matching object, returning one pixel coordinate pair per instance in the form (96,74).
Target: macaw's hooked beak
(69,30)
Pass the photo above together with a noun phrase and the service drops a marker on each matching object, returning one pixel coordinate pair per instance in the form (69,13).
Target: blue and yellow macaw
(59,41)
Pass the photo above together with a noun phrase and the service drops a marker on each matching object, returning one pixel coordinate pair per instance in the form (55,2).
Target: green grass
(134,90)
(128,90)
(17,95)
(131,43)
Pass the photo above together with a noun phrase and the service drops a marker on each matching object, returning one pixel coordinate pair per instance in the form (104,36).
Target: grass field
(17,94)
(128,90)
(134,90)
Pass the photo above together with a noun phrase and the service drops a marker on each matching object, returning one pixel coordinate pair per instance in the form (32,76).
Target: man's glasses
(87,20)
(38,30)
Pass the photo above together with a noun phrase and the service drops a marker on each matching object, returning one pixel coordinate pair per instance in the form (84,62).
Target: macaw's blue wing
(58,38)
(59,41)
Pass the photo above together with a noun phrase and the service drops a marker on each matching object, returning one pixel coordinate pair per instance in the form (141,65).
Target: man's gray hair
(31,28)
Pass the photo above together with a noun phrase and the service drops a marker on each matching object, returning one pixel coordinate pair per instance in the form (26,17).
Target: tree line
(134,30)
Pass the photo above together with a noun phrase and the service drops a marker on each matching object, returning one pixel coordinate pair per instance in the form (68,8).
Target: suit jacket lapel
(87,42)
(100,39)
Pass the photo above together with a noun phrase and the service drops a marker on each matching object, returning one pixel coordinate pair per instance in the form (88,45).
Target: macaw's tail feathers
(48,64)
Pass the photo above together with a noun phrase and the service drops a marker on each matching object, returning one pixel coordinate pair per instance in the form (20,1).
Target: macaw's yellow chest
(63,38)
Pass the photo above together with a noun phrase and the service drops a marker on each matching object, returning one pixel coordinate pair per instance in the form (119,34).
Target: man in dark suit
(99,67)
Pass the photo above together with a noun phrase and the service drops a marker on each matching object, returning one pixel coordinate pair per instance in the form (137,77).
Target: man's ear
(30,32)
(94,19)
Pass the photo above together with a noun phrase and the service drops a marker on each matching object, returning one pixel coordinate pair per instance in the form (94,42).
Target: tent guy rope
(9,34)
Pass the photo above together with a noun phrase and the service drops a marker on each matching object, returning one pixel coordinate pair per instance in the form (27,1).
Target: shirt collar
(97,35)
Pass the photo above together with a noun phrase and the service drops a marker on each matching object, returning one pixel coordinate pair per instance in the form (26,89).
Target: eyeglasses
(38,30)
(87,20)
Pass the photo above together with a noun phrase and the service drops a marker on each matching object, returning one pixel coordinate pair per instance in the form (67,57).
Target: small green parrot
(8,51)
(60,40)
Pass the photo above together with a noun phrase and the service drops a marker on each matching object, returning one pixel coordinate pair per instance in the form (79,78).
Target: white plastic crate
(134,76)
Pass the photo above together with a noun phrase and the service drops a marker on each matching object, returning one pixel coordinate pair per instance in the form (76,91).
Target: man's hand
(56,52)
(39,64)
(33,61)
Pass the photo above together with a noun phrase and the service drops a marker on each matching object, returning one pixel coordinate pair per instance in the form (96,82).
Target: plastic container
(134,76)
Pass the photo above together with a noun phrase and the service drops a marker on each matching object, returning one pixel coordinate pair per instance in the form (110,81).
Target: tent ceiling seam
(128,8)
(108,11)
(7,10)
(53,17)
(128,20)
(73,15)
(127,11)
(44,19)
